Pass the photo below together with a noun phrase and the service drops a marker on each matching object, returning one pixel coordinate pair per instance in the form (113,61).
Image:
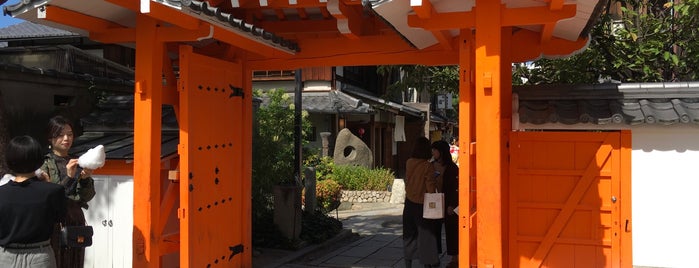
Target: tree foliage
(434,79)
(649,41)
(273,146)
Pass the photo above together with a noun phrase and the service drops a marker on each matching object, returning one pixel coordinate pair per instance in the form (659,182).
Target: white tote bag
(433,206)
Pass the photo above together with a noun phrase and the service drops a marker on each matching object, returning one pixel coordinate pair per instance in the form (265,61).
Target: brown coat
(420,178)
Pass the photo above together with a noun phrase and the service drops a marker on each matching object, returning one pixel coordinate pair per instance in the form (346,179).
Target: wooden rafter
(302,13)
(280,14)
(547,30)
(281,4)
(424,10)
(511,17)
(349,21)
(299,26)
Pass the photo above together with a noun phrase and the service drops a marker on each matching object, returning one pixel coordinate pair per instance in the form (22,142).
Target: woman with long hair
(60,167)
(419,236)
(444,164)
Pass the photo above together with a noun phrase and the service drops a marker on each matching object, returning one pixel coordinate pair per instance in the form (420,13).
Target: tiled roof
(333,102)
(380,103)
(111,124)
(204,8)
(28,29)
(601,104)
(200,9)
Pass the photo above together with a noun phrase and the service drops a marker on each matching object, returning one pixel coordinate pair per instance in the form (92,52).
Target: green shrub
(328,194)
(357,178)
(323,166)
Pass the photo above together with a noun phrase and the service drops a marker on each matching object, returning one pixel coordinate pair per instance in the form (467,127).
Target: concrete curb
(306,250)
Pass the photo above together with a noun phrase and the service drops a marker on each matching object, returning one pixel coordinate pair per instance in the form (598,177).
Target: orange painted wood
(349,20)
(511,17)
(423,10)
(369,50)
(467,241)
(565,214)
(625,251)
(213,205)
(566,219)
(147,140)
(115,167)
(505,129)
(488,140)
(246,169)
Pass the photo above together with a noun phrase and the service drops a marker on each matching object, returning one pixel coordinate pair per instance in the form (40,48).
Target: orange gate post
(488,145)
(147,137)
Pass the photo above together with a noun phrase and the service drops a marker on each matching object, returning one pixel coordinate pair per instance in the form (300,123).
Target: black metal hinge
(237,92)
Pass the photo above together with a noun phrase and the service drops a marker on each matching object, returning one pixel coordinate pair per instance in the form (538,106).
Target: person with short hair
(30,208)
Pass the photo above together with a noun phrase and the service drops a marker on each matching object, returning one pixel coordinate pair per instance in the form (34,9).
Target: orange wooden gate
(214,215)
(570,199)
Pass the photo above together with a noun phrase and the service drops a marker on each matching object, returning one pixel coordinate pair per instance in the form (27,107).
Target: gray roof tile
(28,29)
(632,104)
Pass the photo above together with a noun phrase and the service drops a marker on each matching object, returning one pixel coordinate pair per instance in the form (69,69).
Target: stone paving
(379,245)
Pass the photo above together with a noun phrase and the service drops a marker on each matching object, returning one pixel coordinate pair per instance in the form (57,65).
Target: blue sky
(7,20)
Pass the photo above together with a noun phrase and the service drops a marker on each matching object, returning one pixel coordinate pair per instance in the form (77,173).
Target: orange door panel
(212,211)
(566,199)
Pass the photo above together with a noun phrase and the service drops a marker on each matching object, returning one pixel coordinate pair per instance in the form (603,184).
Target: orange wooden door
(213,215)
(569,199)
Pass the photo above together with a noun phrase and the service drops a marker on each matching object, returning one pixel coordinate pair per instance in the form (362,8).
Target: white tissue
(6,178)
(93,158)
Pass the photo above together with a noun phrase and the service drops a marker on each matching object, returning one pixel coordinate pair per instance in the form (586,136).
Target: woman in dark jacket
(450,184)
(30,208)
(60,168)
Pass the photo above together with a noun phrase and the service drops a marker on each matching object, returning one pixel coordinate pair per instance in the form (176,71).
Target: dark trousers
(419,235)
(451,230)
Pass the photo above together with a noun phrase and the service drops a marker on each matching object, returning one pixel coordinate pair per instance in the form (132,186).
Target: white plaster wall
(665,196)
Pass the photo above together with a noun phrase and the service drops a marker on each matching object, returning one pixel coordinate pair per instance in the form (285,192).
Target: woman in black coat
(450,185)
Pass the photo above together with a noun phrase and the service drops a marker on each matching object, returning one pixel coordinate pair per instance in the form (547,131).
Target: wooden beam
(368,50)
(299,26)
(349,22)
(536,15)
(278,4)
(112,36)
(511,17)
(547,30)
(529,47)
(423,9)
(280,14)
(302,13)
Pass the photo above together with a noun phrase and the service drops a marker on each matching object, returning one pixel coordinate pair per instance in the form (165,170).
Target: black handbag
(76,236)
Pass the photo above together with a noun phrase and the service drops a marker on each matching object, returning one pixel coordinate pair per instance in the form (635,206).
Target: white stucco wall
(665,196)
